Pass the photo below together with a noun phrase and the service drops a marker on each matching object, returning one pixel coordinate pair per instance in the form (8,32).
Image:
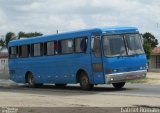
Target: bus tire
(60,85)
(31,82)
(84,82)
(118,85)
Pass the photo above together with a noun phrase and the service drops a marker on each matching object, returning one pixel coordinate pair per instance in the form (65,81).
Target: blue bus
(105,55)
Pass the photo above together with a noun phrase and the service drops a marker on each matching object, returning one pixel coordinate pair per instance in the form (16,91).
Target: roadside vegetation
(145,80)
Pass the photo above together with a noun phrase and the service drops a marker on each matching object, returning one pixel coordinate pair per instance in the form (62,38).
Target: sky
(47,16)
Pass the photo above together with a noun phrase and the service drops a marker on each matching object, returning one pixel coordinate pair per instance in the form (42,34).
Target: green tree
(150,39)
(9,36)
(2,42)
(148,49)
(27,35)
(150,42)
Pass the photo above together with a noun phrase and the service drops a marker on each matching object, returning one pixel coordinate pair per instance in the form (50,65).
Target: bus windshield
(122,45)
(134,44)
(114,45)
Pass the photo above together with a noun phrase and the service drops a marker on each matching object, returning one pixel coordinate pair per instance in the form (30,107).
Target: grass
(145,80)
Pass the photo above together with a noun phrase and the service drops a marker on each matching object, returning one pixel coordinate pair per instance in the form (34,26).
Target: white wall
(3,64)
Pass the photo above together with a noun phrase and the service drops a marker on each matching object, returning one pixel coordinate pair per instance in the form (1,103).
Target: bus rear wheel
(31,82)
(84,82)
(118,85)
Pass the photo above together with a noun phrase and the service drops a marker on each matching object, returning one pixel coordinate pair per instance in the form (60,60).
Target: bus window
(57,47)
(134,44)
(24,51)
(37,49)
(41,49)
(49,48)
(114,45)
(13,52)
(67,46)
(81,44)
(96,47)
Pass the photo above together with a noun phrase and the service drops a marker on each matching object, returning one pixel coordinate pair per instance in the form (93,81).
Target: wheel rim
(30,79)
(84,81)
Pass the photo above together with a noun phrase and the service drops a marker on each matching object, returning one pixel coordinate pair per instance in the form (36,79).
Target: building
(155,60)
(3,59)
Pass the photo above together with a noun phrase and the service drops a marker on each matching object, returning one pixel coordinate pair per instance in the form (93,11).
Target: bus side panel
(57,69)
(24,65)
(19,70)
(13,70)
(83,61)
(52,69)
(63,68)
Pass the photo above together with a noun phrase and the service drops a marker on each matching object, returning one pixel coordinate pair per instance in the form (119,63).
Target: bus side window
(81,44)
(32,49)
(13,52)
(67,46)
(59,47)
(41,49)
(96,46)
(55,47)
(36,49)
(49,48)
(45,48)
(29,50)
(20,51)
(24,51)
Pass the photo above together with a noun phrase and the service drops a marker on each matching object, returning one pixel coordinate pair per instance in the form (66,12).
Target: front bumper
(125,76)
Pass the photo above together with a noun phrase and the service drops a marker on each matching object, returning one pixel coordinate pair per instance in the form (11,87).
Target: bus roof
(84,32)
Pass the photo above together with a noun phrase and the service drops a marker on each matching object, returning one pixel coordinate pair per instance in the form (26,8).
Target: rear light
(108,71)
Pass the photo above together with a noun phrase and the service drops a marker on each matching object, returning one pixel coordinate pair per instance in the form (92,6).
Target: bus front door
(97,64)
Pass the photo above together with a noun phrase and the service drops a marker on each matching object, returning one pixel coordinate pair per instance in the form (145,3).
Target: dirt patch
(4,75)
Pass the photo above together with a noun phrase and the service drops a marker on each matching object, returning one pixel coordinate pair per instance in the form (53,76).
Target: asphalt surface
(144,90)
(72,99)
(139,90)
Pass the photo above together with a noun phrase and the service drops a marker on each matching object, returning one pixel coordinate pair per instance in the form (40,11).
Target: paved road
(12,94)
(146,90)
(39,99)
(129,89)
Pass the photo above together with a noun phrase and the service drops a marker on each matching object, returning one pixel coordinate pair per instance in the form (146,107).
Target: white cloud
(49,15)
(77,24)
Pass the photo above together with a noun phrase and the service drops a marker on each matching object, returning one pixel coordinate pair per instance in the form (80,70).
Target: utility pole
(158,37)
(157,26)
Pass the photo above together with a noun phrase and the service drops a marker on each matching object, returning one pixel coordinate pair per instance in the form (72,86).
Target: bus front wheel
(118,85)
(84,82)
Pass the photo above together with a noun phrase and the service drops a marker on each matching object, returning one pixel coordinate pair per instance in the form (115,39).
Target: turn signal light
(108,71)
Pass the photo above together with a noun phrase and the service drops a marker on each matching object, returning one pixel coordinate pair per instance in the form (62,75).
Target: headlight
(142,67)
(115,70)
